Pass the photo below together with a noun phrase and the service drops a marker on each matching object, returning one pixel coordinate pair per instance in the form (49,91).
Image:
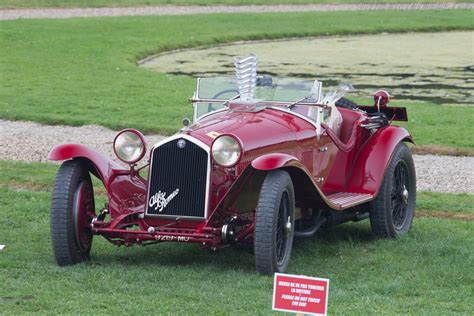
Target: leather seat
(348,134)
(350,120)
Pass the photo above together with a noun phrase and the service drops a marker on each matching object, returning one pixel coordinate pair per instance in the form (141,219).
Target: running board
(348,199)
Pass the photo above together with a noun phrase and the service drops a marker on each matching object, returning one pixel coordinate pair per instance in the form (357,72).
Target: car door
(324,156)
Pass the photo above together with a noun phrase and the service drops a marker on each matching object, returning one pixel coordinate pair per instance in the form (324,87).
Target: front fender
(369,169)
(272,161)
(300,175)
(102,165)
(244,192)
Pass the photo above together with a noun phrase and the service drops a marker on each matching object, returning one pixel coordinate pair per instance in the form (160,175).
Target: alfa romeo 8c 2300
(264,160)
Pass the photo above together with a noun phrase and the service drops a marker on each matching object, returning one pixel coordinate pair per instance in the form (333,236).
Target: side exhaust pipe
(330,220)
(309,232)
(339,218)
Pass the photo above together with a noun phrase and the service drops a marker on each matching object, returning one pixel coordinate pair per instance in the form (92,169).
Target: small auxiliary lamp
(381,99)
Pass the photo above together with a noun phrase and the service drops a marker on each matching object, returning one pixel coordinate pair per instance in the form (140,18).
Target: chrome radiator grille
(178,180)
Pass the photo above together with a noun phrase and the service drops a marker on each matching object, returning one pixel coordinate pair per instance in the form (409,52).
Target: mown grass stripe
(117,3)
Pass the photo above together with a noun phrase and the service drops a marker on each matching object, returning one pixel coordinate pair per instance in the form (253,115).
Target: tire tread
(61,222)
(266,220)
(380,219)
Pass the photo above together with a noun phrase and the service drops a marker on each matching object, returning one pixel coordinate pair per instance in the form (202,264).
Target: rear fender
(100,165)
(369,170)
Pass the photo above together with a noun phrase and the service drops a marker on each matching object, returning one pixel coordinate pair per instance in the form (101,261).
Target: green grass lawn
(438,124)
(429,271)
(116,3)
(81,71)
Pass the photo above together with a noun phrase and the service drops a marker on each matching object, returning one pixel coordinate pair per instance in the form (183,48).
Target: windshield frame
(283,106)
(286,105)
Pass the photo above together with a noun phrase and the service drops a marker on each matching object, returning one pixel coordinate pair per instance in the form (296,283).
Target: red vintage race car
(263,161)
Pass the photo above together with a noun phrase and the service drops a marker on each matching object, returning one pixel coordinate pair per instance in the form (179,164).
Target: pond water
(436,67)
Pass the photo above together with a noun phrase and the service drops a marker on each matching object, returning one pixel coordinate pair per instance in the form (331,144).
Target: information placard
(300,294)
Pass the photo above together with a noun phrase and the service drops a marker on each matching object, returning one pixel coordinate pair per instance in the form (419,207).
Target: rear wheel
(274,223)
(393,210)
(72,210)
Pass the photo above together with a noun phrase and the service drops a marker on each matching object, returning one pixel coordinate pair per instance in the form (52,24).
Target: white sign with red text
(300,294)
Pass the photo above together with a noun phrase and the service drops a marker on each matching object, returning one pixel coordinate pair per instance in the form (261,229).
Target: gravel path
(11,14)
(31,142)
(28,141)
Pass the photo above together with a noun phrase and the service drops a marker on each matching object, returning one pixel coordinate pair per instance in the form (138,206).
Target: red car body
(337,174)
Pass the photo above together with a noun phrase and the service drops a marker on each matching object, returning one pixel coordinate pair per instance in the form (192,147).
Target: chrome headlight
(129,146)
(226,150)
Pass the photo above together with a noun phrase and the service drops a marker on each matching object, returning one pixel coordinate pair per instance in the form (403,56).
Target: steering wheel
(218,94)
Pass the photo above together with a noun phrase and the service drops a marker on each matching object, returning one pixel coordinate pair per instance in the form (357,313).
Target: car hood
(253,129)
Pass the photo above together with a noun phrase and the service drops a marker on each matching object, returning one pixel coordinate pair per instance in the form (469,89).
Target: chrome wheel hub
(405,195)
(288,226)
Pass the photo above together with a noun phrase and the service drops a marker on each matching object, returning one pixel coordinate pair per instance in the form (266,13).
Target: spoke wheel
(284,221)
(274,223)
(400,195)
(72,210)
(393,209)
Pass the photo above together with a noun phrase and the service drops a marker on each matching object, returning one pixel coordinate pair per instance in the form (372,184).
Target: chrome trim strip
(264,102)
(208,176)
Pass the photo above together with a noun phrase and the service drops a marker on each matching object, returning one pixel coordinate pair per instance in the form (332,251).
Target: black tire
(392,211)
(72,209)
(346,104)
(274,223)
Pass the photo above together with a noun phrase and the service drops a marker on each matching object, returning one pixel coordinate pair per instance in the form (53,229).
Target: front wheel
(393,209)
(72,210)
(274,223)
